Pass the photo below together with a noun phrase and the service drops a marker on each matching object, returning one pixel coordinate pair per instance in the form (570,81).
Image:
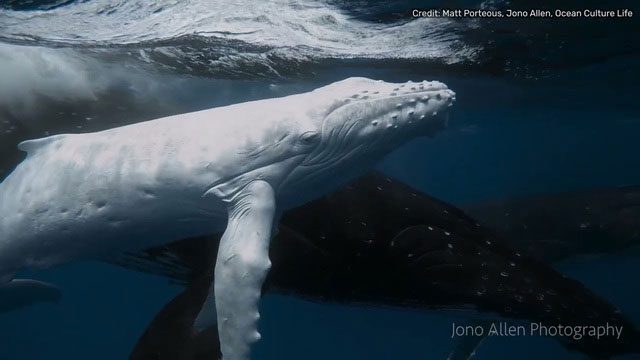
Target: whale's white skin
(232,168)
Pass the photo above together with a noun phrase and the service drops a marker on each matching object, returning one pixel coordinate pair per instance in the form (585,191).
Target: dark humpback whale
(434,256)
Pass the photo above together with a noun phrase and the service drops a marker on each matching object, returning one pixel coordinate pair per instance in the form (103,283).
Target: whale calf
(380,242)
(232,169)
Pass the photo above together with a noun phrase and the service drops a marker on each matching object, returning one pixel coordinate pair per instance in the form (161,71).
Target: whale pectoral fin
(240,271)
(465,347)
(19,293)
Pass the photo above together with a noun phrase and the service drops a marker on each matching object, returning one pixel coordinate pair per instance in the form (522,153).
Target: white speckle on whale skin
(374,123)
(504,274)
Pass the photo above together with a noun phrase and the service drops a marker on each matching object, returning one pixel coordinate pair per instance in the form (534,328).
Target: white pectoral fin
(241,268)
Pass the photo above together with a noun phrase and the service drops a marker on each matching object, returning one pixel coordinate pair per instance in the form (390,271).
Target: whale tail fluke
(20,293)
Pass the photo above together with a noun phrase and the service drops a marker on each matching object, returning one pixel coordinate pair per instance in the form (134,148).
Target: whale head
(360,120)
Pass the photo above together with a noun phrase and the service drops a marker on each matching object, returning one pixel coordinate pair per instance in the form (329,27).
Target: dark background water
(571,125)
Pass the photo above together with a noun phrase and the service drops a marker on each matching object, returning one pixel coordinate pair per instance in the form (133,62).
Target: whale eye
(309,138)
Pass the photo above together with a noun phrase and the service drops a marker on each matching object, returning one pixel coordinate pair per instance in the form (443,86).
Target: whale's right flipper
(19,293)
(240,271)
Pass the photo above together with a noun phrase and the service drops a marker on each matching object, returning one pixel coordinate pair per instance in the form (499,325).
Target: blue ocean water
(514,132)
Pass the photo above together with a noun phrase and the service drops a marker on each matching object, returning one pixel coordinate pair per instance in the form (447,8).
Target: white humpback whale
(232,169)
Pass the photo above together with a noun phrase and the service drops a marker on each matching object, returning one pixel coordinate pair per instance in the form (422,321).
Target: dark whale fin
(19,293)
(465,347)
(171,335)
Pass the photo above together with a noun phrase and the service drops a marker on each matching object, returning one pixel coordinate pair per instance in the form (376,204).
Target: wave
(207,34)
(283,38)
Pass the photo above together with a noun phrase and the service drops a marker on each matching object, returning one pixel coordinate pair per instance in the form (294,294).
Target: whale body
(231,169)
